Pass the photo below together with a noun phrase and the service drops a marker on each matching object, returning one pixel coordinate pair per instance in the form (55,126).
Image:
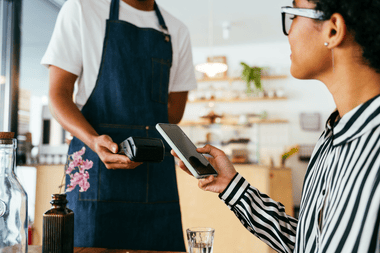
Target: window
(10,18)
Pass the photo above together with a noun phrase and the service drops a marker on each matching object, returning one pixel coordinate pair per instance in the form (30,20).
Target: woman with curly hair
(338,43)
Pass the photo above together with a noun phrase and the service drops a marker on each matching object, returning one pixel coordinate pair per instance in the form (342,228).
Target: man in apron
(128,205)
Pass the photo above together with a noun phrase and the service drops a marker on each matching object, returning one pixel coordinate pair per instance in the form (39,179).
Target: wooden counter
(97,250)
(199,208)
(38,249)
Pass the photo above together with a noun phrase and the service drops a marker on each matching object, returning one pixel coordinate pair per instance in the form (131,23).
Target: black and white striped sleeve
(262,216)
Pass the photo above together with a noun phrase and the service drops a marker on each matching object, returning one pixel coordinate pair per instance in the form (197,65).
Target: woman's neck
(349,79)
(353,85)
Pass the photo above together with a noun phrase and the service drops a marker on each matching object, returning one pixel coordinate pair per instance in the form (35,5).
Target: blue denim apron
(138,208)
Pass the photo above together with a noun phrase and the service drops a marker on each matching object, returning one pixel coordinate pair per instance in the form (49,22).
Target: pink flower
(79,178)
(79,154)
(84,187)
(87,164)
(70,168)
(77,161)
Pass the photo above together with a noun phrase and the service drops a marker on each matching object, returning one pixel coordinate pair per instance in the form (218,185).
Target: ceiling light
(211,68)
(2,79)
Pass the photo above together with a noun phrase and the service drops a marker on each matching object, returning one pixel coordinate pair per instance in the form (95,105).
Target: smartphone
(197,164)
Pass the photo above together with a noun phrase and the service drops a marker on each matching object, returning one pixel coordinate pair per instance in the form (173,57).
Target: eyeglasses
(289,13)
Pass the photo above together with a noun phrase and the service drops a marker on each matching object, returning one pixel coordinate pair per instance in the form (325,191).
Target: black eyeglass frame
(303,12)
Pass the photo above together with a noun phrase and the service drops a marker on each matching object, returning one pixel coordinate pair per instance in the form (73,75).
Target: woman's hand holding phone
(221,164)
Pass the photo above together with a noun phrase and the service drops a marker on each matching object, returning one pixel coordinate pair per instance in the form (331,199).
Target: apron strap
(160,18)
(114,10)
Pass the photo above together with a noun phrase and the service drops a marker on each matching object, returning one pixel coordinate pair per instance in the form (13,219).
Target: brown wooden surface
(237,99)
(98,250)
(38,249)
(231,79)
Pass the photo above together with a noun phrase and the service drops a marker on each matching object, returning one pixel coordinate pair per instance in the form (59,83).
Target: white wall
(303,96)
(38,21)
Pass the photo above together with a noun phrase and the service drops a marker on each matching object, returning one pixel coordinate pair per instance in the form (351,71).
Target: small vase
(58,227)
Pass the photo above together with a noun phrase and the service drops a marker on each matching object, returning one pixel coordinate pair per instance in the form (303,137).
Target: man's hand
(221,164)
(107,151)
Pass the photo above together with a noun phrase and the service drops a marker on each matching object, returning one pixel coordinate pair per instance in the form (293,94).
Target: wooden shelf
(232,79)
(232,122)
(247,99)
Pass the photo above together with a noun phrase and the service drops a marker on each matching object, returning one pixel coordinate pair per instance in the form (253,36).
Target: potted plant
(251,74)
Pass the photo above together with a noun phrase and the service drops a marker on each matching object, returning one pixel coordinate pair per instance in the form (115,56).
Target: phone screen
(188,149)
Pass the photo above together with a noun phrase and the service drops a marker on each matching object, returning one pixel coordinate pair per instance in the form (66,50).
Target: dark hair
(362,18)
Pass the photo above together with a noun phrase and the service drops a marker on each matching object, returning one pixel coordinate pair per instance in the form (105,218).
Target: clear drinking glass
(200,239)
(13,202)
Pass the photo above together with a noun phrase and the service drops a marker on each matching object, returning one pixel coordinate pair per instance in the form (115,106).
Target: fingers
(208,149)
(222,165)
(204,182)
(116,166)
(211,150)
(107,152)
(173,153)
(109,144)
(181,164)
(211,184)
(116,161)
(107,157)
(104,142)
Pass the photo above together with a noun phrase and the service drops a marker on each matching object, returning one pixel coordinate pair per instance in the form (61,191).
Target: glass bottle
(58,227)
(13,200)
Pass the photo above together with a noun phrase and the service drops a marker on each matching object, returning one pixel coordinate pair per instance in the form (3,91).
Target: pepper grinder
(58,227)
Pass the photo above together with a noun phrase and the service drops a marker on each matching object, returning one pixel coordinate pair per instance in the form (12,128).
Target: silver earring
(326,44)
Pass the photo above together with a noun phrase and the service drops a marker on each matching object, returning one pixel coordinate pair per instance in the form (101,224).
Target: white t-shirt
(77,43)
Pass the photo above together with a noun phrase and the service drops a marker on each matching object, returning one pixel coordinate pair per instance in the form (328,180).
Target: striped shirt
(340,204)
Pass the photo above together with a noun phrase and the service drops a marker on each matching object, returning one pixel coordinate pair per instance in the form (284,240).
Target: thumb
(114,148)
(111,145)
